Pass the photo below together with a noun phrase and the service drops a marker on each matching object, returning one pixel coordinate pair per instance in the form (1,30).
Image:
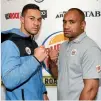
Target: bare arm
(53,57)
(53,68)
(90,89)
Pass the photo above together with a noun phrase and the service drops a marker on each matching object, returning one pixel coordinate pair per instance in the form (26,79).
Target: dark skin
(73,26)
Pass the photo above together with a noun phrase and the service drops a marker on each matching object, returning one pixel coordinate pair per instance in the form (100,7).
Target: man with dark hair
(29,6)
(79,61)
(22,59)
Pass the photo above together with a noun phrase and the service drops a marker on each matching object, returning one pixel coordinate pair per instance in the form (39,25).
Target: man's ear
(83,25)
(22,19)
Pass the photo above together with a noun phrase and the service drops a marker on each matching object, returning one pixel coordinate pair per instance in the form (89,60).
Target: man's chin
(34,33)
(66,35)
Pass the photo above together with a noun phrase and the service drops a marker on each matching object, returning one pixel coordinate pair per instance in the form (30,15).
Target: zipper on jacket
(22,91)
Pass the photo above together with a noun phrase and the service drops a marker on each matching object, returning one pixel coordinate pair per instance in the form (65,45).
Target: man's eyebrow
(64,20)
(35,17)
(71,20)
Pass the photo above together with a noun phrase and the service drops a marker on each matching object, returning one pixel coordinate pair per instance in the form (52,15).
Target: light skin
(73,26)
(30,26)
(31,22)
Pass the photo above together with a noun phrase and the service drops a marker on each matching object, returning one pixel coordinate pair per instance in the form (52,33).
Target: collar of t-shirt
(79,38)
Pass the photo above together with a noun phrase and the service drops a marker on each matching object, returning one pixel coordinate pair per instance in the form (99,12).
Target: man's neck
(24,32)
(73,38)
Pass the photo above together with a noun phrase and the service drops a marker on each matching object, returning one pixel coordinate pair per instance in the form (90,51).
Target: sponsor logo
(28,50)
(49,81)
(92,13)
(44,14)
(98,68)
(73,52)
(60,15)
(87,14)
(14,15)
(53,41)
(38,1)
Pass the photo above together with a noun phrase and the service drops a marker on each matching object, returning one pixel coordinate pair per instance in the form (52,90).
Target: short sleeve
(91,63)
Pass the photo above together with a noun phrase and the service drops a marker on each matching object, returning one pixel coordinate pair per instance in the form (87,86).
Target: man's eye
(39,20)
(71,22)
(64,22)
(32,18)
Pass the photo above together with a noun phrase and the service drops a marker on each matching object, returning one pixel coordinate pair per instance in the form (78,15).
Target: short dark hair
(79,11)
(29,6)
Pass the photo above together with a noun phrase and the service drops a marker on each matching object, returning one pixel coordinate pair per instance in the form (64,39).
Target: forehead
(72,15)
(33,12)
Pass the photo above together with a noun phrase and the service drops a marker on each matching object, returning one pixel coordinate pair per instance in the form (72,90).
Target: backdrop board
(52,12)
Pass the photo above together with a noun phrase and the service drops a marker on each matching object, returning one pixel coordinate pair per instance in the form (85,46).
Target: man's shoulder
(89,46)
(88,42)
(5,36)
(64,44)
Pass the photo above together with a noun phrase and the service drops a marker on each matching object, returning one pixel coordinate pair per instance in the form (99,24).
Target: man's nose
(36,22)
(67,25)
